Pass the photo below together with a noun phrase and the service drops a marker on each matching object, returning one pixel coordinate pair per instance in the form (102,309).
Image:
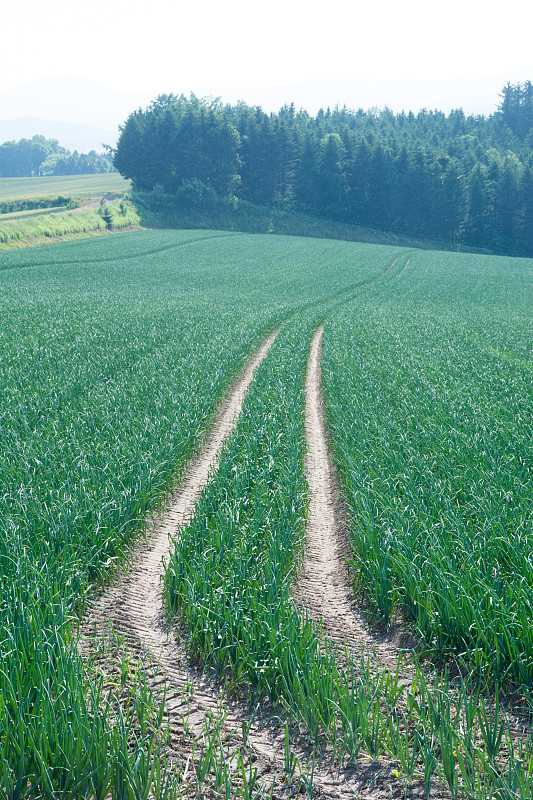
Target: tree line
(28,158)
(462,179)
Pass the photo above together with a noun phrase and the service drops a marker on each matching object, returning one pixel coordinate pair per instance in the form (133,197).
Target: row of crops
(230,576)
(229,581)
(430,399)
(114,356)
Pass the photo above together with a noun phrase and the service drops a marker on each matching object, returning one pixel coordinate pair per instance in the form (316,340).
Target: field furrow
(133,606)
(324,585)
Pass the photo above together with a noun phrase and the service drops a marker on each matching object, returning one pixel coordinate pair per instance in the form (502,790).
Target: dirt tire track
(404,267)
(324,585)
(389,267)
(133,606)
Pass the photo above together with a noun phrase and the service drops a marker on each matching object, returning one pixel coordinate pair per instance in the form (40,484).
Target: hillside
(173,403)
(464,180)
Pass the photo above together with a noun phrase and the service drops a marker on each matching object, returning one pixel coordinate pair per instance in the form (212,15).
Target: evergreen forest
(463,180)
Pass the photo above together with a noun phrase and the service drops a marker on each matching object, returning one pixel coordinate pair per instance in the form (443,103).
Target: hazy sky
(241,48)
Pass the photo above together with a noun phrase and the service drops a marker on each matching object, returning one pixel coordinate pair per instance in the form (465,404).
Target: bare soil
(404,267)
(324,585)
(133,606)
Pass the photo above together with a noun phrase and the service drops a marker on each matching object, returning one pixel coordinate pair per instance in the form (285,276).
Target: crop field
(36,226)
(116,356)
(429,392)
(54,185)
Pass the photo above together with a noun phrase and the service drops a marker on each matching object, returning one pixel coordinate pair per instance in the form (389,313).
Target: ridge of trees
(28,158)
(467,180)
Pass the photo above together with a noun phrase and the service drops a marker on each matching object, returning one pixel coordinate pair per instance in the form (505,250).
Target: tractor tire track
(324,586)
(133,606)
(389,268)
(404,267)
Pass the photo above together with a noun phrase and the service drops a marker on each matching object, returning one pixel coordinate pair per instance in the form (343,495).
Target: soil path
(404,267)
(88,203)
(324,585)
(133,606)
(388,268)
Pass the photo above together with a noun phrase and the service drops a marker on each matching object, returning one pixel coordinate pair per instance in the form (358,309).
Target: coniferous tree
(462,179)
(331,177)
(525,218)
(476,226)
(506,203)
(306,178)
(453,202)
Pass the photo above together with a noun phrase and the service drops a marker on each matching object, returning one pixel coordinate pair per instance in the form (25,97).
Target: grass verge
(46,228)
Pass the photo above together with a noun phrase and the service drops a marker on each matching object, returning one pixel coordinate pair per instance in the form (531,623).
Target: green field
(67,185)
(114,355)
(34,212)
(41,226)
(428,384)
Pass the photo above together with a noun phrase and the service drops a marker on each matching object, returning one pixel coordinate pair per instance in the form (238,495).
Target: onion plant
(229,579)
(429,395)
(113,356)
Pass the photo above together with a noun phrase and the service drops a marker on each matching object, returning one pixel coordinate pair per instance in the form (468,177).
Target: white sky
(240,48)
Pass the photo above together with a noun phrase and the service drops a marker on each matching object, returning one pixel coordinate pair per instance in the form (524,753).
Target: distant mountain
(74,136)
(81,114)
